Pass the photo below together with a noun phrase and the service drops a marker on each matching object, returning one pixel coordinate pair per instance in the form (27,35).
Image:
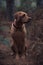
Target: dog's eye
(23,15)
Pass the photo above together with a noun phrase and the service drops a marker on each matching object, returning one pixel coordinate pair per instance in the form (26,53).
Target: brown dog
(18,32)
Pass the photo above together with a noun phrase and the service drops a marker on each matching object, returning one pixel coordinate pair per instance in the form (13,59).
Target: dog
(18,32)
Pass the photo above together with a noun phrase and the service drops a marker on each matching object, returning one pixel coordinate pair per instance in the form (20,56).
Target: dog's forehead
(20,13)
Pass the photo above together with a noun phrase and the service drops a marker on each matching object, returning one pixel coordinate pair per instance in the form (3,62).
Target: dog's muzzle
(29,20)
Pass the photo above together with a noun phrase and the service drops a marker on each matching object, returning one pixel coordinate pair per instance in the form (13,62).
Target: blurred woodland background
(34,31)
(9,7)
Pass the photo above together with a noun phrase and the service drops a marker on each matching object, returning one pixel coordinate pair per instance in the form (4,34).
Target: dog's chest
(18,36)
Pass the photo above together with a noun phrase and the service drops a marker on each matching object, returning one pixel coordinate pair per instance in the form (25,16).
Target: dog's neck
(18,25)
(20,28)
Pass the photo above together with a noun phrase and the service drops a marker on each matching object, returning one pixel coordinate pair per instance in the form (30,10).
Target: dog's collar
(17,28)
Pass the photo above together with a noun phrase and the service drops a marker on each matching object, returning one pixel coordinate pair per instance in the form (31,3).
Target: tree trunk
(40,3)
(10,9)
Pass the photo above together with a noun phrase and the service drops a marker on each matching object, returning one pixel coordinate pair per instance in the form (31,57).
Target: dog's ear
(15,16)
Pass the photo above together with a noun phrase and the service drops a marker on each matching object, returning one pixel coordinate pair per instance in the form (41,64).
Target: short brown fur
(18,32)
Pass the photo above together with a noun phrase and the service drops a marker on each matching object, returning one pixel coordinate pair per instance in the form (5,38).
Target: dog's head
(21,18)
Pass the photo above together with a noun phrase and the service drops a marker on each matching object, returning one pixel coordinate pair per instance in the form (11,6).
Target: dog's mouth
(28,21)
